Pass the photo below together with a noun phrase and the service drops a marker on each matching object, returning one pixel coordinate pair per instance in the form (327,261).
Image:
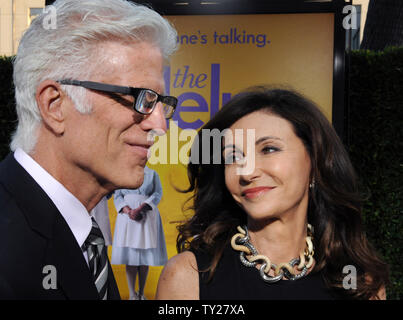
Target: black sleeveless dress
(234,281)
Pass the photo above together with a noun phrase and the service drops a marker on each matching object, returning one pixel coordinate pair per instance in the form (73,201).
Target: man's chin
(135,182)
(130,179)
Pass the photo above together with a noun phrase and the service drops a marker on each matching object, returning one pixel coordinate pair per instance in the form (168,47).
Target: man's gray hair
(70,51)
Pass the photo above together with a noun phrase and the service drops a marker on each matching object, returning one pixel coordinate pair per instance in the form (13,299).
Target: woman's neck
(279,239)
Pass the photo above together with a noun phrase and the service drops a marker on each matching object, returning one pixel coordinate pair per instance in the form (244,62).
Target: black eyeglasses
(145,100)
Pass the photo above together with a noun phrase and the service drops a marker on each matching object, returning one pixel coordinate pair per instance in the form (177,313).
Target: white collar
(72,210)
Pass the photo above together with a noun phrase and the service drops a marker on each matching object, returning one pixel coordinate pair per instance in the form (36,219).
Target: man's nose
(155,121)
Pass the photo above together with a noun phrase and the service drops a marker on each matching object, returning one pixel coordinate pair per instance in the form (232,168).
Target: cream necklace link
(250,257)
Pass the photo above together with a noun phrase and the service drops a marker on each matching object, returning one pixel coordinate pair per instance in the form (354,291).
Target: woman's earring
(312,184)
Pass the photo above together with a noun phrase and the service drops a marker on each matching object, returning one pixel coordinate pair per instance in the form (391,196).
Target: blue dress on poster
(141,242)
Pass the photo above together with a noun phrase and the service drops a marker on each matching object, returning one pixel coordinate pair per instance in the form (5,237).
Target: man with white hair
(88,94)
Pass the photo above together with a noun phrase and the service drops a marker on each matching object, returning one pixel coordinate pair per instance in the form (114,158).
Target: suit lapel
(63,251)
(35,204)
(73,274)
(113,291)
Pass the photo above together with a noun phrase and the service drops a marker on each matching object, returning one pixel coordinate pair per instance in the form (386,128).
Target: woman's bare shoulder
(179,279)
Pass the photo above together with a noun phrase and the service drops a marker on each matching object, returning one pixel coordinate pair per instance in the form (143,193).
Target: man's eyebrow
(260,140)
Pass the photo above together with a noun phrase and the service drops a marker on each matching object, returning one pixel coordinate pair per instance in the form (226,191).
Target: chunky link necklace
(250,257)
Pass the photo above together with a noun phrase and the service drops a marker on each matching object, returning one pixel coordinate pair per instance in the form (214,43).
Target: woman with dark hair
(289,227)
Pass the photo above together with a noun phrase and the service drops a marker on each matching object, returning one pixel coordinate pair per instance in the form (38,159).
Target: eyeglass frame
(134,92)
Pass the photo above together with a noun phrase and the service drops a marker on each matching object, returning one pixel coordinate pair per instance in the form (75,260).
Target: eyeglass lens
(146,101)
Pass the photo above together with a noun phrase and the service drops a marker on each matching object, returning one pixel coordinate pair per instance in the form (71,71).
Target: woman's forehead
(264,125)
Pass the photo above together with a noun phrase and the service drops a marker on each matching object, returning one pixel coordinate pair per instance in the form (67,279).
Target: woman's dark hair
(334,208)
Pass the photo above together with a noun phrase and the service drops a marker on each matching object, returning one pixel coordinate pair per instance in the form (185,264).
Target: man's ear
(50,98)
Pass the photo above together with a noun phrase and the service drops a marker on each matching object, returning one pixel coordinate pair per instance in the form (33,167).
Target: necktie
(97,259)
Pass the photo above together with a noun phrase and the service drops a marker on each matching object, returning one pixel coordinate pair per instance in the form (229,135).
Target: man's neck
(76,180)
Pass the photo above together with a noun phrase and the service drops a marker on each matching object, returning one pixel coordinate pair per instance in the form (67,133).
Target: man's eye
(127,101)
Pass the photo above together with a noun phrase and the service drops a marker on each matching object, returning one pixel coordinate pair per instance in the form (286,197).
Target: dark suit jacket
(33,235)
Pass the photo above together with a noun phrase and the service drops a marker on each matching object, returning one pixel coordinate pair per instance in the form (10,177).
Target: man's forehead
(130,55)
(131,65)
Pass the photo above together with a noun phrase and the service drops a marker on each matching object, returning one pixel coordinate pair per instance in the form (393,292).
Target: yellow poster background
(214,63)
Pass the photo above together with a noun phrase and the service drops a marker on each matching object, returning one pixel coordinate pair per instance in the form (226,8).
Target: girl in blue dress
(139,240)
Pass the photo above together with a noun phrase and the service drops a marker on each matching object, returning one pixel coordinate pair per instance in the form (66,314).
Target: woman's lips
(253,193)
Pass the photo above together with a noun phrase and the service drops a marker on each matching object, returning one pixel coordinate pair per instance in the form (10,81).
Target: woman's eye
(269,149)
(233,158)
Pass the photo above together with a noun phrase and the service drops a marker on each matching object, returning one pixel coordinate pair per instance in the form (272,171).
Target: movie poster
(219,55)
